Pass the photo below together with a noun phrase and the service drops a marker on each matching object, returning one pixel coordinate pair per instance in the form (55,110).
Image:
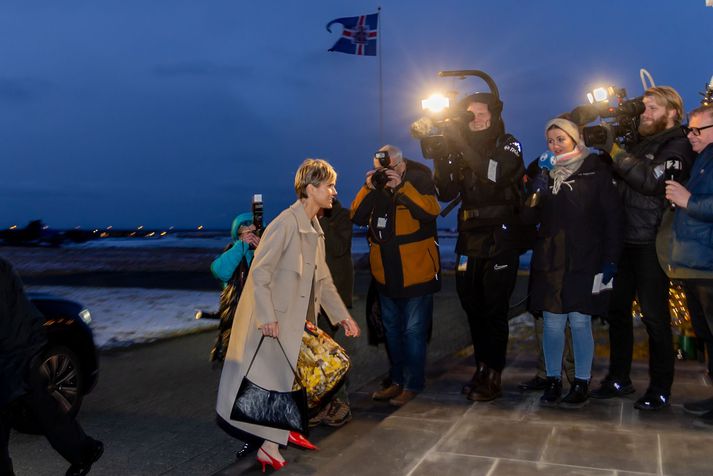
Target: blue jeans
(582,341)
(406,323)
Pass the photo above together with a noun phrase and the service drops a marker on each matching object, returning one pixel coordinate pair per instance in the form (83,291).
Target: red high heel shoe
(298,440)
(264,458)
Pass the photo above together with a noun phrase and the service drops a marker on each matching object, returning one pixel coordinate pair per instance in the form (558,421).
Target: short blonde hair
(669,98)
(313,172)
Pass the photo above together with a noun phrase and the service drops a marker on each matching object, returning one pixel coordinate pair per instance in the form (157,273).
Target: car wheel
(60,367)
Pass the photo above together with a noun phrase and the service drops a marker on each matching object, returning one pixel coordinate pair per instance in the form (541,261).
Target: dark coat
(693,226)
(337,229)
(580,231)
(641,181)
(22,336)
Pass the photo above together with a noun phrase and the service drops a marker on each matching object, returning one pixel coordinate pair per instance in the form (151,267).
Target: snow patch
(125,316)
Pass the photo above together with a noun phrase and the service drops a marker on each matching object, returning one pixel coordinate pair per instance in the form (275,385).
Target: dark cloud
(202,69)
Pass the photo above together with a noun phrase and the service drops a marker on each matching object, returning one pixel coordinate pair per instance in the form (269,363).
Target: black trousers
(484,289)
(641,275)
(699,295)
(64,433)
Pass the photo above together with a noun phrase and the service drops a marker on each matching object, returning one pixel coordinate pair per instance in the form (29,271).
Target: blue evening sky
(124,112)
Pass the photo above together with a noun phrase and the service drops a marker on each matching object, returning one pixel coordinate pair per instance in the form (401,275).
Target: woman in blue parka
(231,267)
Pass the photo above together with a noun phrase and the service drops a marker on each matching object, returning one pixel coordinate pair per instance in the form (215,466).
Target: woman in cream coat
(288,282)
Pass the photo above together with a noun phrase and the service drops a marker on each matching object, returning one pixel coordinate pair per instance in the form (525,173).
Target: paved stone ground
(440,432)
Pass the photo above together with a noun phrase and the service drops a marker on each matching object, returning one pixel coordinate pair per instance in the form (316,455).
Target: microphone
(673,170)
(547,160)
(546,163)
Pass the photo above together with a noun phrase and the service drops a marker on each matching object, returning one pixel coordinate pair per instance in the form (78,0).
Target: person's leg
(391,316)
(470,293)
(583,344)
(418,312)
(5,460)
(63,432)
(553,342)
(617,382)
(539,337)
(621,325)
(568,356)
(652,286)
(499,277)
(699,297)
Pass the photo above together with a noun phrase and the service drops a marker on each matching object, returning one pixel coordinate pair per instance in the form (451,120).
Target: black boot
(480,371)
(489,388)
(578,394)
(94,453)
(553,392)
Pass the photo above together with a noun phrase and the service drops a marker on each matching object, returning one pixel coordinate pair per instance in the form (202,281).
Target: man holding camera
(398,204)
(642,172)
(487,176)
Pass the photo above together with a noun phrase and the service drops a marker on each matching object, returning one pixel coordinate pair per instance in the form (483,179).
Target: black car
(69,361)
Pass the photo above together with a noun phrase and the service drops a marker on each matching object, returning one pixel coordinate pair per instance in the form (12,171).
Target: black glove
(539,182)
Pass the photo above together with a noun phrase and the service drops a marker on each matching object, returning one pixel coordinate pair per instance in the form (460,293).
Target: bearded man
(641,175)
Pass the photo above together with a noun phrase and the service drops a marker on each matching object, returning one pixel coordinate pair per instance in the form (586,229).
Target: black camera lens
(379,179)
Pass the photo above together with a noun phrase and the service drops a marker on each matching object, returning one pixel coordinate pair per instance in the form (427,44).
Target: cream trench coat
(289,257)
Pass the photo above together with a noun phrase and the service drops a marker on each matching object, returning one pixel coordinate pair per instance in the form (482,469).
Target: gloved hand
(539,183)
(608,272)
(546,160)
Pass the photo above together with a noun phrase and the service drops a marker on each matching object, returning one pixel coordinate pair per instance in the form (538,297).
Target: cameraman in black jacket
(641,179)
(488,178)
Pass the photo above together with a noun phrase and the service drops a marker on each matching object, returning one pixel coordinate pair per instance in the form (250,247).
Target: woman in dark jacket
(573,261)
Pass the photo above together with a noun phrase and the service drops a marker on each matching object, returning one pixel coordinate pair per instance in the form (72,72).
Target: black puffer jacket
(22,336)
(641,181)
(580,231)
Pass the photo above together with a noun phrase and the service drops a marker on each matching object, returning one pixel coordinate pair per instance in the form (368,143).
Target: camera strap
(449,208)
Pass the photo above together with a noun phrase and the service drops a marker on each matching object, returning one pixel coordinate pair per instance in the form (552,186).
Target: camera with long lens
(613,107)
(257,209)
(379,179)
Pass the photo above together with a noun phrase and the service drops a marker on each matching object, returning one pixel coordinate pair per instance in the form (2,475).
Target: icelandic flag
(359,35)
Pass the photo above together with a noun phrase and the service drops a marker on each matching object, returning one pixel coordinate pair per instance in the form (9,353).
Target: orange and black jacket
(403,241)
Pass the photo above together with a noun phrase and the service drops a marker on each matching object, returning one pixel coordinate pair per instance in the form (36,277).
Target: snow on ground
(127,316)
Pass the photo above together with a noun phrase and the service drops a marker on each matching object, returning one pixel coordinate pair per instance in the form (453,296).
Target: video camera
(612,106)
(430,130)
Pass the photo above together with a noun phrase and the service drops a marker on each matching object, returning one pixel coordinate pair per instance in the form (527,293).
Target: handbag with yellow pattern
(322,364)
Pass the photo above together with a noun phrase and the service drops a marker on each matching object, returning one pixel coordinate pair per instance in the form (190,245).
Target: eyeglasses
(696,131)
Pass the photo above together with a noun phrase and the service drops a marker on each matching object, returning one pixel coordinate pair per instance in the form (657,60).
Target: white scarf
(566,165)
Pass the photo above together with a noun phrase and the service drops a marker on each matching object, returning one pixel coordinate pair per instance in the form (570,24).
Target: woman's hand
(251,239)
(351,328)
(271,329)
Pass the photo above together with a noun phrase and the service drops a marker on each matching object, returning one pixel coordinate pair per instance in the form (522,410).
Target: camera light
(437,102)
(600,94)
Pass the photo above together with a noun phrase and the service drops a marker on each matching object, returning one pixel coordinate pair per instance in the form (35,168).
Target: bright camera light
(437,102)
(600,94)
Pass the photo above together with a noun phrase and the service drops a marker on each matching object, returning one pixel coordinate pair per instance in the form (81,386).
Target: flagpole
(380,42)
